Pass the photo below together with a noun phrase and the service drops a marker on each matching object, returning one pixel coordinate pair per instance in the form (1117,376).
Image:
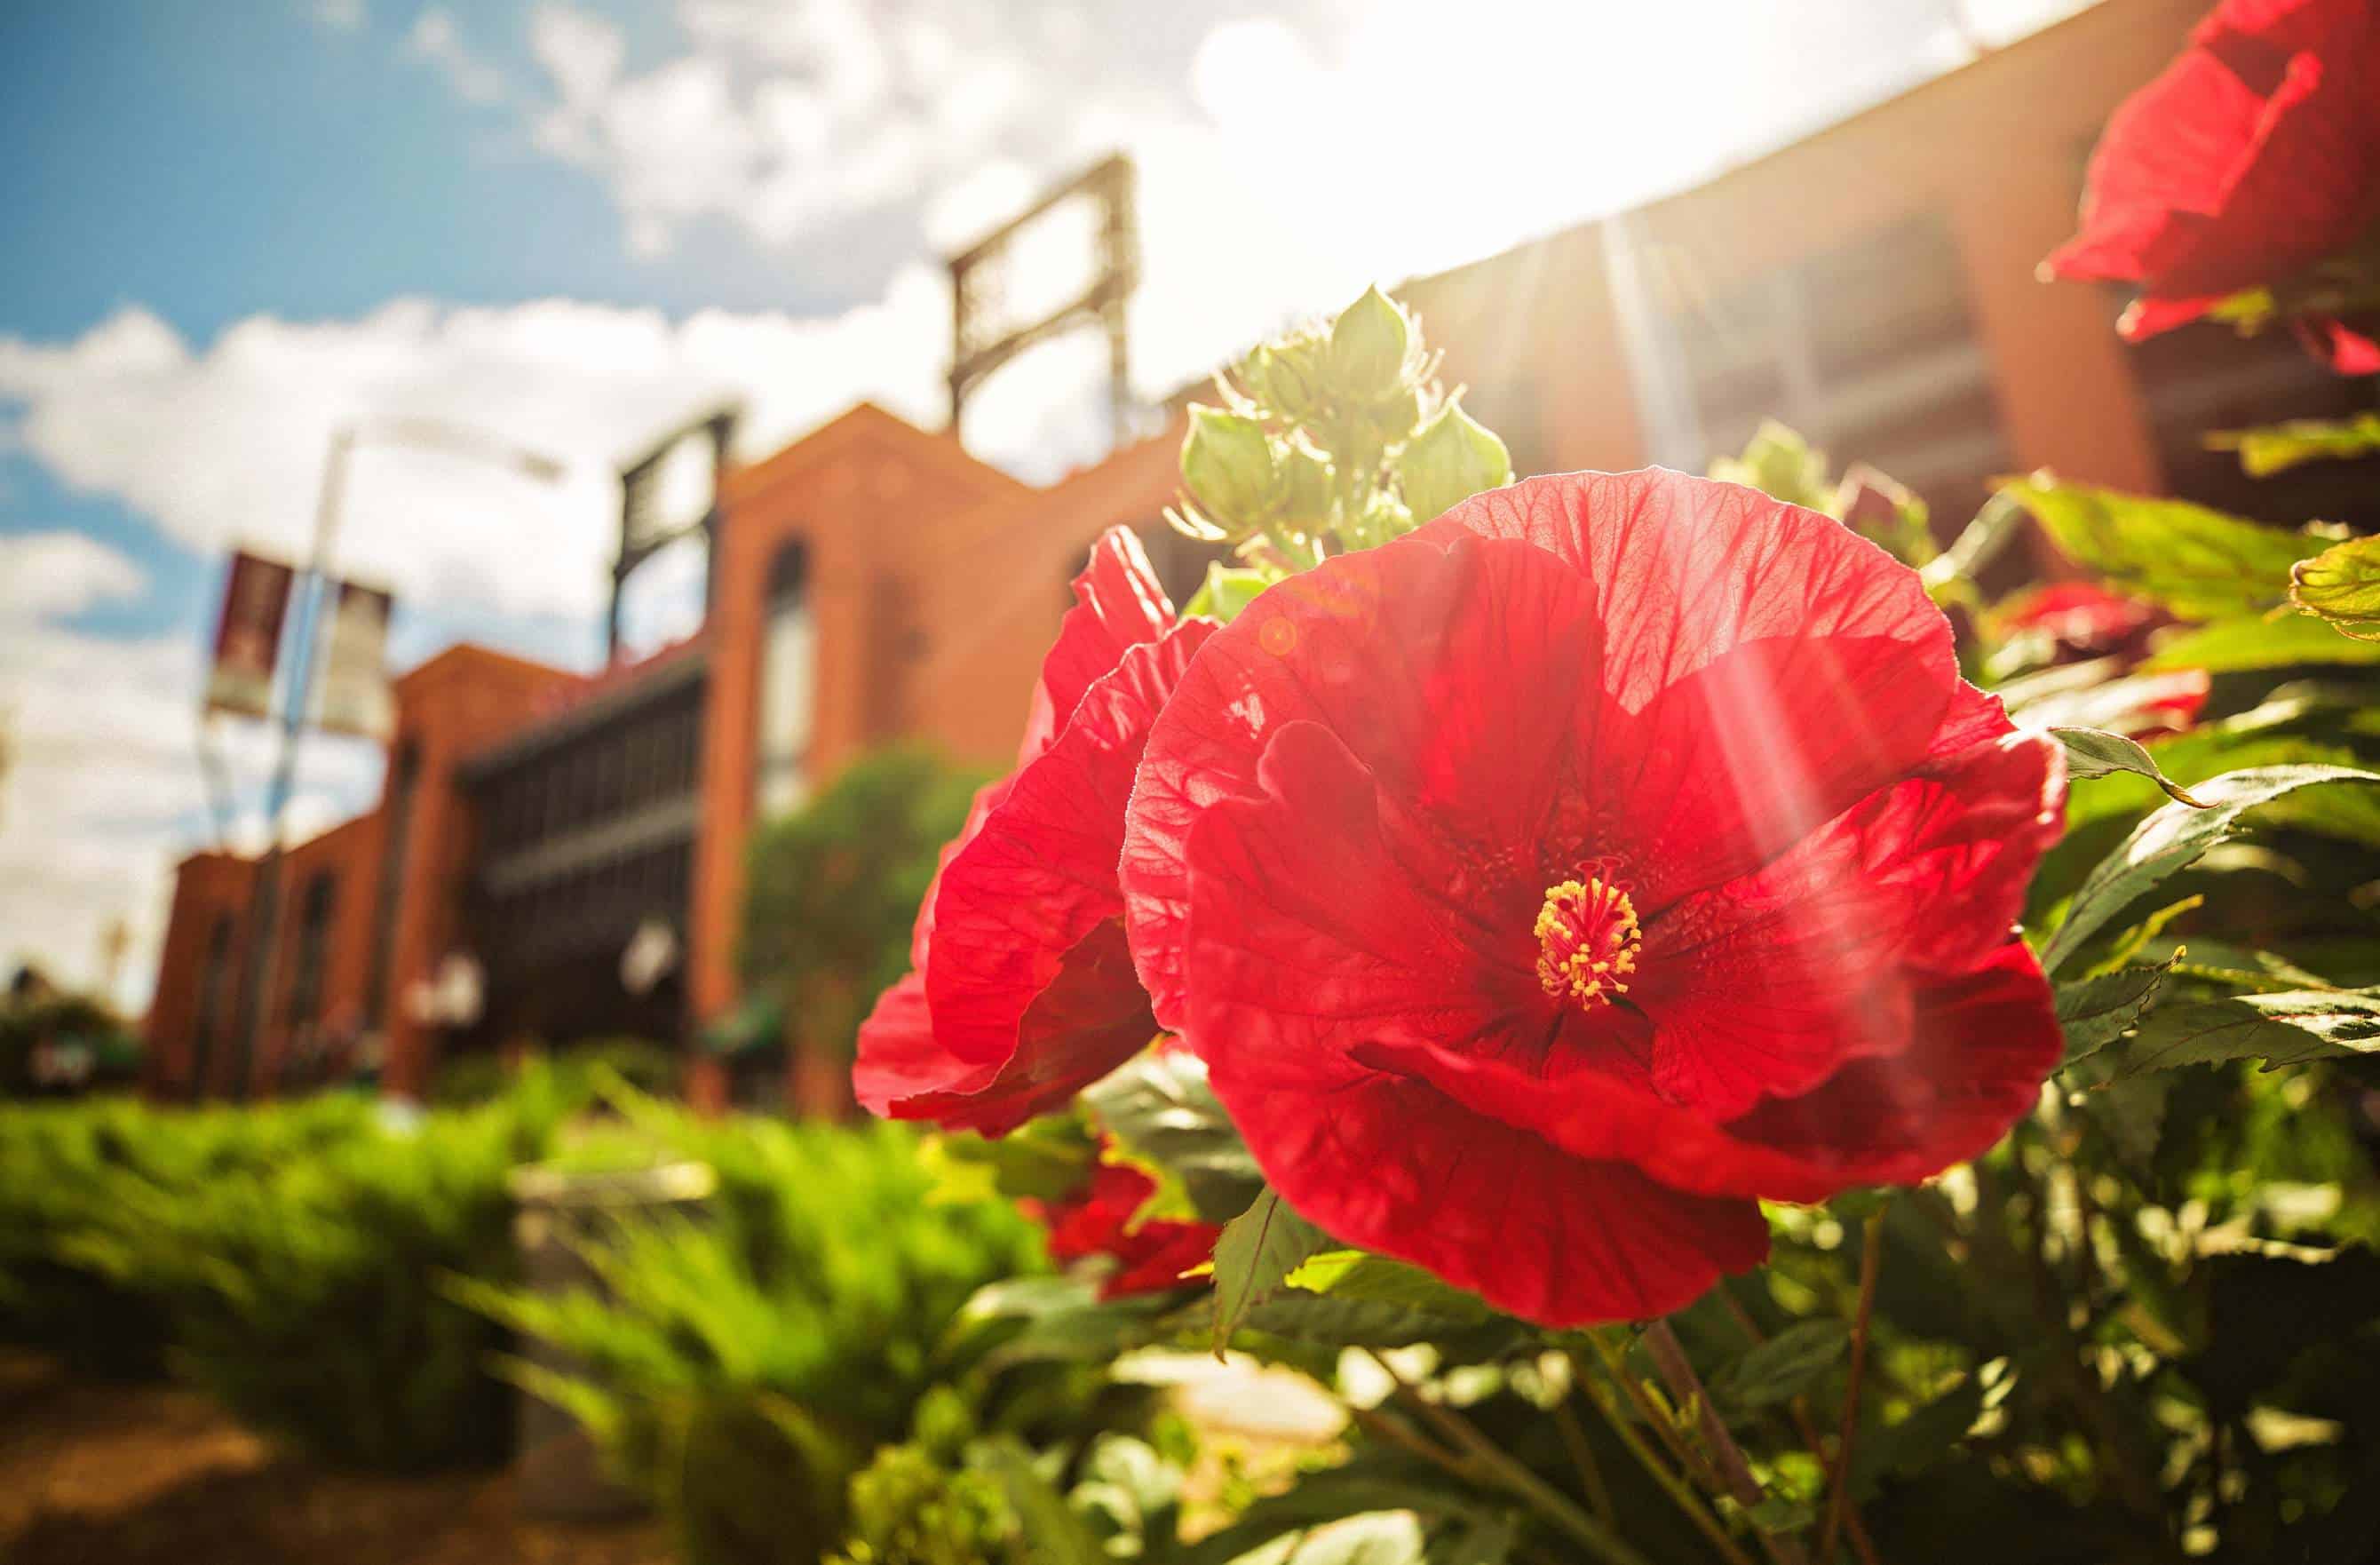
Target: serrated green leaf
(1254,1256)
(2239,644)
(1784,1367)
(2287,1028)
(2274,448)
(2341,586)
(1352,1274)
(2096,1012)
(1158,1107)
(2174,838)
(2091,752)
(2198,563)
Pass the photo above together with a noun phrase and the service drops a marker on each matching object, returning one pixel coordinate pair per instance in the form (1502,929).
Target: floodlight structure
(984,336)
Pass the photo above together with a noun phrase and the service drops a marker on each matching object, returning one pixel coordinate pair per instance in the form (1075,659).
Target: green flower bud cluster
(1332,437)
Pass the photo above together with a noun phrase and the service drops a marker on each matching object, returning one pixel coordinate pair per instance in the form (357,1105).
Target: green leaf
(2274,448)
(2092,753)
(1225,592)
(1910,1447)
(2200,564)
(1159,1108)
(2174,838)
(2133,1111)
(1352,1274)
(2239,645)
(1254,1256)
(1368,1483)
(1784,1367)
(2342,586)
(2287,1028)
(1058,1534)
(2096,1012)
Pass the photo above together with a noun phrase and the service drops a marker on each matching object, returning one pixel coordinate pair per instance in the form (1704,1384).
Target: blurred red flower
(1095,1221)
(2080,614)
(1022,990)
(2256,154)
(1544,887)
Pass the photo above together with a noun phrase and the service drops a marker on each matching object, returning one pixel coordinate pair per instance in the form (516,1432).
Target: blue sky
(234,224)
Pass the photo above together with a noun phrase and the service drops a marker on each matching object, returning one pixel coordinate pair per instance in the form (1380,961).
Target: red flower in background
(1022,991)
(2080,614)
(1544,887)
(2256,154)
(1095,1221)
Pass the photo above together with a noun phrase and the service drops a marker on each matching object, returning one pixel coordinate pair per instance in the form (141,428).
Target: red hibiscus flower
(2256,154)
(2080,614)
(1544,887)
(1095,1221)
(1022,991)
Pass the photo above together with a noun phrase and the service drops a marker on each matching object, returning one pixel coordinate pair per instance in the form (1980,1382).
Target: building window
(404,775)
(788,693)
(213,977)
(1867,349)
(315,909)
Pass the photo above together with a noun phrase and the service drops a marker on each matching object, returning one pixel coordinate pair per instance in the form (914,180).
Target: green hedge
(741,1368)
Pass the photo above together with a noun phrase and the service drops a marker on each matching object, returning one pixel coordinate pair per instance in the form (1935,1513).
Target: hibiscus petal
(1769,984)
(1981,1044)
(1094,1016)
(1398,1167)
(1745,756)
(1117,604)
(1437,667)
(1685,570)
(1040,873)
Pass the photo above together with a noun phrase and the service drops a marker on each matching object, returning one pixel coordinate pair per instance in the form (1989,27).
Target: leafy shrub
(288,1256)
(831,889)
(740,1368)
(642,1063)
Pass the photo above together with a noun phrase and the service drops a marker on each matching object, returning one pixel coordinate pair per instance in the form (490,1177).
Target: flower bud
(1454,457)
(1369,344)
(1227,465)
(1302,486)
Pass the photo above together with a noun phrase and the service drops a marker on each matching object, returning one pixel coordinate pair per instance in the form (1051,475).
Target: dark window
(214,977)
(404,775)
(315,910)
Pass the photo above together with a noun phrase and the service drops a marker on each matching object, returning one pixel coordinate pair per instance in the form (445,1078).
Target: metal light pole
(263,956)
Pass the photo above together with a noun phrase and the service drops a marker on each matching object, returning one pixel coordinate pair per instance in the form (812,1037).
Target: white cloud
(340,15)
(54,574)
(226,444)
(103,792)
(436,39)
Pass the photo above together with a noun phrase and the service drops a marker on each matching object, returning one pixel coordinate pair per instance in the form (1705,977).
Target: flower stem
(1678,1372)
(1512,1476)
(1670,1483)
(1582,1457)
(1838,1482)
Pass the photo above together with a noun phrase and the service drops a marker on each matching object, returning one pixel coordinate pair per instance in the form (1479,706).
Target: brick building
(1872,285)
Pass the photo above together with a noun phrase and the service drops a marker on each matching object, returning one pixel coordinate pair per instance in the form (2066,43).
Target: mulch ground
(101,1474)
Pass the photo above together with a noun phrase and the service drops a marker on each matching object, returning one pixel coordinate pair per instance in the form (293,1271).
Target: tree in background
(831,889)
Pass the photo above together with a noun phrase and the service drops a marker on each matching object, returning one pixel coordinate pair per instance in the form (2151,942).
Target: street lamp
(428,434)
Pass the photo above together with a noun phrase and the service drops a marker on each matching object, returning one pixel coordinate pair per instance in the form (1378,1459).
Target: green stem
(1670,1483)
(1735,1472)
(1839,1483)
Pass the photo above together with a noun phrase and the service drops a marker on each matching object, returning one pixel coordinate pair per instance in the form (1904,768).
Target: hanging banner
(351,690)
(248,636)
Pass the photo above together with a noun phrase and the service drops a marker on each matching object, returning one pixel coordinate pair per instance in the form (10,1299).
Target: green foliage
(287,1258)
(54,1044)
(740,1368)
(2200,564)
(2341,586)
(2275,448)
(577,1067)
(831,891)
(1254,1256)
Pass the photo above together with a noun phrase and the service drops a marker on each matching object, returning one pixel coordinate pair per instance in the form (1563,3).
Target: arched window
(788,685)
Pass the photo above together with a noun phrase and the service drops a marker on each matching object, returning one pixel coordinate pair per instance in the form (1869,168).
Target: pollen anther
(1587,940)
